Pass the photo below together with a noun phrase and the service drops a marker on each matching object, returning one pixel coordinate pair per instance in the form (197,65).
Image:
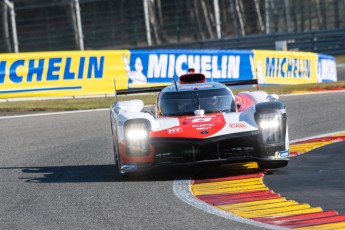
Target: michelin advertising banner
(72,73)
(148,68)
(326,68)
(286,67)
(83,73)
(281,67)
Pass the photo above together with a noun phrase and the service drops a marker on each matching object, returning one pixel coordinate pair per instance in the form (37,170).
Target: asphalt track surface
(320,170)
(57,172)
(341,72)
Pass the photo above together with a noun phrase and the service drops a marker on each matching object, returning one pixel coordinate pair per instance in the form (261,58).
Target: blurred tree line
(108,24)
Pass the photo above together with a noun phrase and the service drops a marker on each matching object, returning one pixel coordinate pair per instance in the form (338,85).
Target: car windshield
(185,103)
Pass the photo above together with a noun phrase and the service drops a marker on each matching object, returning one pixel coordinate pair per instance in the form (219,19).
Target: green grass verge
(340,59)
(105,102)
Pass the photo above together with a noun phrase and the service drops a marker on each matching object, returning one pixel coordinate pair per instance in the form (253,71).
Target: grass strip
(105,102)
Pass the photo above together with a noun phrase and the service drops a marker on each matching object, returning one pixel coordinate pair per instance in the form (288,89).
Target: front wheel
(272,164)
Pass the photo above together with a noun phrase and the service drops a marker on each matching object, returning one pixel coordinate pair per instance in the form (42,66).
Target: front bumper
(233,148)
(222,148)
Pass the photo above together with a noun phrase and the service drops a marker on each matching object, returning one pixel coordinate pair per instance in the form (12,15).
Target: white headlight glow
(136,134)
(269,120)
(137,137)
(266,124)
(271,127)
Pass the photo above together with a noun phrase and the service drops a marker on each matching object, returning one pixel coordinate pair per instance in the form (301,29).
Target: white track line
(53,113)
(311,93)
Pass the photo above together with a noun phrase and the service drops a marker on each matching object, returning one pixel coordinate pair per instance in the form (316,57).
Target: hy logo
(175,130)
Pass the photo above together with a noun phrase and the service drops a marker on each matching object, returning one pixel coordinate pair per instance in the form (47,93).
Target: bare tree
(160,13)
(207,19)
(259,17)
(240,17)
(224,9)
(276,16)
(197,19)
(295,15)
(153,21)
(318,10)
(242,12)
(7,39)
(233,16)
(302,10)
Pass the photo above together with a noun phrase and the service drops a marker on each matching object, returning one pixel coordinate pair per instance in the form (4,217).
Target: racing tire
(122,176)
(272,164)
(118,163)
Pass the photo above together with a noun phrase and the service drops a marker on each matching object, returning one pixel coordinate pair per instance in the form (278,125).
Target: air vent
(192,78)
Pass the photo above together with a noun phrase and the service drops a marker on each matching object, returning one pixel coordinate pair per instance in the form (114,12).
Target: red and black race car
(199,122)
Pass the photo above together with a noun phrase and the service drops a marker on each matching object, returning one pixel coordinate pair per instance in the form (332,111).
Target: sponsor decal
(204,132)
(195,86)
(201,119)
(282,154)
(239,125)
(175,130)
(203,126)
(163,154)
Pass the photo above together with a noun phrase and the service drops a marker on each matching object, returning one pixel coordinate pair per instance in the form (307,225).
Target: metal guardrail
(322,41)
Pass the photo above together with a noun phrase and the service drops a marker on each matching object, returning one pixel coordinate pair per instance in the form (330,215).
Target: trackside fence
(323,41)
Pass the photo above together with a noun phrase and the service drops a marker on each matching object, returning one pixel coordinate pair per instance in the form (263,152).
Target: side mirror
(120,108)
(272,97)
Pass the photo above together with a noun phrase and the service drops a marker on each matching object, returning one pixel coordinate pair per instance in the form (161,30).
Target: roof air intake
(191,78)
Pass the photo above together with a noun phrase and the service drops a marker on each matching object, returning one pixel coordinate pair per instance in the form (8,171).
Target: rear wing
(159,88)
(243,82)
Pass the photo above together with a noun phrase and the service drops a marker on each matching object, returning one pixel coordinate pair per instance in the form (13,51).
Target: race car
(197,121)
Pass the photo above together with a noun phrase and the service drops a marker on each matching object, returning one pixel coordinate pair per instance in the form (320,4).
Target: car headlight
(269,120)
(136,134)
(137,137)
(270,124)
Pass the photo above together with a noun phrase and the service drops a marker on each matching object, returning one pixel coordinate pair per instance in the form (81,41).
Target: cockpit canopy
(186,102)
